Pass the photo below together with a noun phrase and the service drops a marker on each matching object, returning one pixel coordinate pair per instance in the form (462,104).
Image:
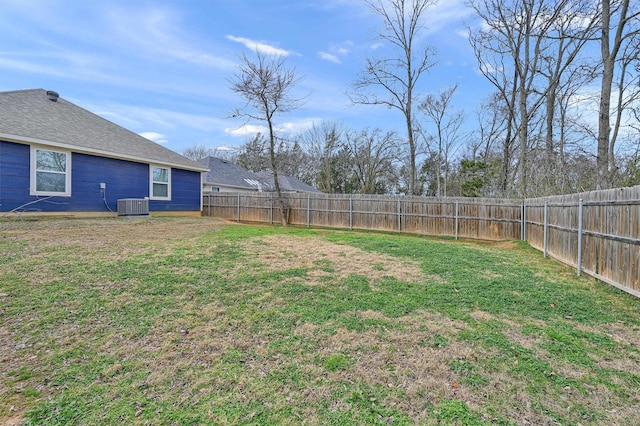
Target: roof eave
(101,153)
(253,188)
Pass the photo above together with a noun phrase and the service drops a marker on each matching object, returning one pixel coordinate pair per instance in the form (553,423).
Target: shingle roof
(29,116)
(224,173)
(287,183)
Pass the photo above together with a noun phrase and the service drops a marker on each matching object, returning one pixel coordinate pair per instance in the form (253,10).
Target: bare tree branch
(392,81)
(266,85)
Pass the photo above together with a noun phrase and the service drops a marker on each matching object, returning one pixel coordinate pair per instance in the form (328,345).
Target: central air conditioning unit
(133,207)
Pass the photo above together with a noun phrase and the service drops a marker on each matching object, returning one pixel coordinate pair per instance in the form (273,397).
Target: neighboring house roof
(41,117)
(225,173)
(287,183)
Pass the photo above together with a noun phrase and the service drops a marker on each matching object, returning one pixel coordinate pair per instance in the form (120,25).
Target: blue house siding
(123,179)
(185,192)
(14,176)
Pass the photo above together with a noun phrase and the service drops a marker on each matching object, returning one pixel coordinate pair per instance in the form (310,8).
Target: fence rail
(597,232)
(487,219)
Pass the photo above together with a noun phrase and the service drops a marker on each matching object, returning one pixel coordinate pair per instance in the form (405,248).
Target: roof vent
(53,96)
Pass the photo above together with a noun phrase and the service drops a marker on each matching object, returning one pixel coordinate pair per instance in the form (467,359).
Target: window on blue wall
(50,172)
(160,183)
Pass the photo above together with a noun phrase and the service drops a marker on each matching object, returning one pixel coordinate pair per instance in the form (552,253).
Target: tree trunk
(604,129)
(284,212)
(523,135)
(412,149)
(605,160)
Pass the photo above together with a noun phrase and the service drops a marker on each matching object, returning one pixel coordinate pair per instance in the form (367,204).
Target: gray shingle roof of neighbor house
(41,116)
(287,183)
(225,173)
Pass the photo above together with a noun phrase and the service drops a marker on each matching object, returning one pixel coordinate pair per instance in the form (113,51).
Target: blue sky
(161,68)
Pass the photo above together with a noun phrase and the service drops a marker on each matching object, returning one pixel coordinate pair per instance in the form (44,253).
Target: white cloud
(159,33)
(486,68)
(446,12)
(329,57)
(156,137)
(247,129)
(342,50)
(140,117)
(289,127)
(225,148)
(441,14)
(299,125)
(462,32)
(32,67)
(336,51)
(259,47)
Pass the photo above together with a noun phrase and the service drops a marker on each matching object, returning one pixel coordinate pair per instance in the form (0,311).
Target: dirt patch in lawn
(323,258)
(508,245)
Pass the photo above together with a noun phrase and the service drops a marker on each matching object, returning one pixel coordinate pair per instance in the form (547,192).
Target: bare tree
(524,49)
(498,67)
(254,154)
(628,96)
(569,134)
(266,86)
(327,160)
(446,128)
(495,132)
(567,37)
(490,126)
(372,154)
(293,160)
(199,151)
(196,152)
(392,81)
(619,33)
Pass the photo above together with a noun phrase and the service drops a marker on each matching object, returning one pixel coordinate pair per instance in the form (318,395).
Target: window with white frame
(50,172)
(160,183)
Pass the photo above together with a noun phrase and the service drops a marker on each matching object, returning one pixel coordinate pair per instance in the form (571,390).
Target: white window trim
(32,178)
(151,197)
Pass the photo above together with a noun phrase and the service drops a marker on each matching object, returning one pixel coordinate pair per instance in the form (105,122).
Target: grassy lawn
(196,321)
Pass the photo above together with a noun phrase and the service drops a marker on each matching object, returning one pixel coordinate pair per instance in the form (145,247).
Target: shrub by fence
(596,232)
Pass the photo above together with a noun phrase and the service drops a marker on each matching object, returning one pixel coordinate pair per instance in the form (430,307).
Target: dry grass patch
(161,321)
(403,361)
(107,238)
(324,258)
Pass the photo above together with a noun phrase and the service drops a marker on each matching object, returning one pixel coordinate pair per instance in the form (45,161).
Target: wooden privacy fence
(596,232)
(487,219)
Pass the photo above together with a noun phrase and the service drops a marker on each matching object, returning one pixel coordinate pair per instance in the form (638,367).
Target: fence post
(238,207)
(308,209)
(523,231)
(350,212)
(546,230)
(457,212)
(271,213)
(399,218)
(579,267)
